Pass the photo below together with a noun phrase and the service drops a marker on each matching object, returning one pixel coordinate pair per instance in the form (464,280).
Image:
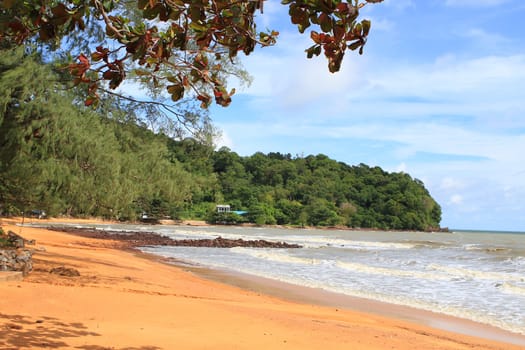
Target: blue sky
(438,93)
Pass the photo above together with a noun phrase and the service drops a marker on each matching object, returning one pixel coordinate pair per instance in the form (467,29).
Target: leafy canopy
(177,44)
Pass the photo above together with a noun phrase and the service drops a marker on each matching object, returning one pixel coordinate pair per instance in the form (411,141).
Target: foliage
(70,159)
(178,44)
(319,191)
(229,218)
(74,161)
(4,240)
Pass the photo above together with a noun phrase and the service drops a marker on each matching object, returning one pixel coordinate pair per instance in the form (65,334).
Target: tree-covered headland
(59,155)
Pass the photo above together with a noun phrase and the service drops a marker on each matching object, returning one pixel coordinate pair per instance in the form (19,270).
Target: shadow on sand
(22,332)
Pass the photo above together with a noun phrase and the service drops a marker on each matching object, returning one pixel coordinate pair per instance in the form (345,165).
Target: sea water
(473,275)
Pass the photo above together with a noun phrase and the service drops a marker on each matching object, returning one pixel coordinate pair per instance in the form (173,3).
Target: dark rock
(16,260)
(65,271)
(142,239)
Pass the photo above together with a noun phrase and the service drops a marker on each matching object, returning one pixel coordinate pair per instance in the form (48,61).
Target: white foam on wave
(483,248)
(191,234)
(317,242)
(430,243)
(380,245)
(517,261)
(477,274)
(514,289)
(357,267)
(272,255)
(183,234)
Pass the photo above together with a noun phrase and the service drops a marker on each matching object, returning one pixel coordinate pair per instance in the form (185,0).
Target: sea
(474,275)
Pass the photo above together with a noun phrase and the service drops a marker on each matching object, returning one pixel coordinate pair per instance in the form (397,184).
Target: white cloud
(456,199)
(284,74)
(401,168)
(483,87)
(449,183)
(223,141)
(381,24)
(452,78)
(484,37)
(271,15)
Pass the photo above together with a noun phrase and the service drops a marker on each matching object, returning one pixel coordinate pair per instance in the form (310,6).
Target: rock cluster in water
(142,239)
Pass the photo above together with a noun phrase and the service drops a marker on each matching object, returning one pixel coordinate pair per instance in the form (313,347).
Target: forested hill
(277,188)
(59,156)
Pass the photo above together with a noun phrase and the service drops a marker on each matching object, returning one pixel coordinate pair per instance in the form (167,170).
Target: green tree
(69,159)
(322,213)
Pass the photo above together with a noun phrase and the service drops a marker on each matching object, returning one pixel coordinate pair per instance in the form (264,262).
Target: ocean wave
(272,255)
(517,261)
(357,267)
(484,248)
(428,243)
(514,289)
(467,273)
(201,234)
(184,234)
(317,242)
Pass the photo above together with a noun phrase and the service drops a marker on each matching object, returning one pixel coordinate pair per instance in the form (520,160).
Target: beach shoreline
(316,296)
(175,306)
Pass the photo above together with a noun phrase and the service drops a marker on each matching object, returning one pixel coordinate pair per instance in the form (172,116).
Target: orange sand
(127,300)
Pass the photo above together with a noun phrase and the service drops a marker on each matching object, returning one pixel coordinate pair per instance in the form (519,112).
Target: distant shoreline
(204,223)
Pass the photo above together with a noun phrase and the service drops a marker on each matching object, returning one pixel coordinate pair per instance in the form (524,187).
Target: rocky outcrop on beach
(143,239)
(16,260)
(220,242)
(13,254)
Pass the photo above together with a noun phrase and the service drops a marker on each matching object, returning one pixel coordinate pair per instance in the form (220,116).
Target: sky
(439,93)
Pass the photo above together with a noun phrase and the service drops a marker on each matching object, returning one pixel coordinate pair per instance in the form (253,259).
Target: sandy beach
(128,300)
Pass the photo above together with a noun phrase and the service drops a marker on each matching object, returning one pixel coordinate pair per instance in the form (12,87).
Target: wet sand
(128,300)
